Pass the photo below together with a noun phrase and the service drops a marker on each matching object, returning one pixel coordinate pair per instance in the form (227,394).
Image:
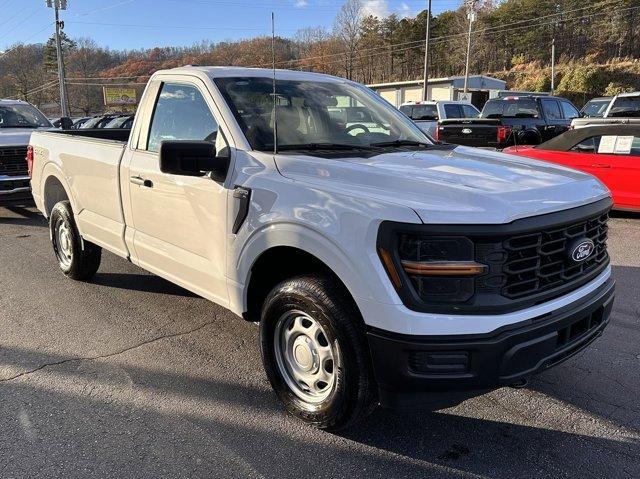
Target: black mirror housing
(66,123)
(192,158)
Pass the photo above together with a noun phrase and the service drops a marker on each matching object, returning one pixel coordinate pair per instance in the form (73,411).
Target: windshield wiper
(401,143)
(322,146)
(20,126)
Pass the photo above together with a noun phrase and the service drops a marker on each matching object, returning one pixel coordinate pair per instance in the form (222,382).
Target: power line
(444,39)
(500,29)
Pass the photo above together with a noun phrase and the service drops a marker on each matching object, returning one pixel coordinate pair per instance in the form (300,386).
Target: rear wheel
(315,352)
(77,259)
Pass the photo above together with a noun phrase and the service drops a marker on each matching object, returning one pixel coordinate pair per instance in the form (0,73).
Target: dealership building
(480,87)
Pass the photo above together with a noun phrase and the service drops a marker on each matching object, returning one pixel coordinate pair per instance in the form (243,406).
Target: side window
(570,112)
(181,113)
(588,145)
(469,112)
(635,146)
(551,110)
(452,111)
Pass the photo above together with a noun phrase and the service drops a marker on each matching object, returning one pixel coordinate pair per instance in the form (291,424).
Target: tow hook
(519,384)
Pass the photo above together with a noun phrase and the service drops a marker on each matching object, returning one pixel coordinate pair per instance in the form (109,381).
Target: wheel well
(54,192)
(274,266)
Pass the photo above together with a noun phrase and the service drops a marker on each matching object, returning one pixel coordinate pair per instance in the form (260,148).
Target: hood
(17,136)
(452,186)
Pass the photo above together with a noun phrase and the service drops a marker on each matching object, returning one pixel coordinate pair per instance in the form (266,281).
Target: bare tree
(347,28)
(22,72)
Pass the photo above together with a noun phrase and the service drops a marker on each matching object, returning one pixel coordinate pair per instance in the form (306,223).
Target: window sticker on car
(623,145)
(607,144)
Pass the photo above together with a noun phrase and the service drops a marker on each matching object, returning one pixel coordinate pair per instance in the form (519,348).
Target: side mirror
(66,123)
(192,158)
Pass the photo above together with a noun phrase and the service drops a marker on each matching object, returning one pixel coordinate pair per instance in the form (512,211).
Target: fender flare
(304,238)
(50,170)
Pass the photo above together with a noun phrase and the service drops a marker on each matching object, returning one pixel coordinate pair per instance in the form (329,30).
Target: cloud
(404,11)
(375,8)
(301,3)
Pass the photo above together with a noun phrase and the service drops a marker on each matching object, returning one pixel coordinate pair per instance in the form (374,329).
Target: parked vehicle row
(381,267)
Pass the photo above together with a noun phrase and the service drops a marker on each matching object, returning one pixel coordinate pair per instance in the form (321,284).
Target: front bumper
(15,191)
(442,370)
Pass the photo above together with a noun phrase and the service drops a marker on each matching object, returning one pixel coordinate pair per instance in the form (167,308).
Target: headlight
(430,269)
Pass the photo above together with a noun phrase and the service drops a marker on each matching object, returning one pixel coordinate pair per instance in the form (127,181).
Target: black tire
(77,259)
(354,391)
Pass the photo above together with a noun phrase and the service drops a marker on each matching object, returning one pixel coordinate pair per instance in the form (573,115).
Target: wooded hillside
(597,44)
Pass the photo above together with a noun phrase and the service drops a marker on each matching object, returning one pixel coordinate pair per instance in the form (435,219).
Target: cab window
(452,111)
(181,113)
(551,110)
(469,112)
(569,111)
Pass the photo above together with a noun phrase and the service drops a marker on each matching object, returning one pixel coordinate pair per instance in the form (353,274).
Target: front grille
(528,261)
(13,161)
(529,265)
(539,262)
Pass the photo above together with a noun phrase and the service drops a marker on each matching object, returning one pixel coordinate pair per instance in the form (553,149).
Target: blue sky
(132,24)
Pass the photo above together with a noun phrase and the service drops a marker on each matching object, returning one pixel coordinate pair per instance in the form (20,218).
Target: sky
(134,24)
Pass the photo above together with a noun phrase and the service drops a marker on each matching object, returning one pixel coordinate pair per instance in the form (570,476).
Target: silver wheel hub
(64,249)
(305,358)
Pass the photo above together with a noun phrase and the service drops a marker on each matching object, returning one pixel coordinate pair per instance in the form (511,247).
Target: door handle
(600,165)
(140,181)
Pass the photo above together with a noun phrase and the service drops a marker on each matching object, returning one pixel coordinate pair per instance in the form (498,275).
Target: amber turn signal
(387,261)
(444,268)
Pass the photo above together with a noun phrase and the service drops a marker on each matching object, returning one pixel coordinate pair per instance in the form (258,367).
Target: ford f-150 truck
(17,120)
(381,268)
(512,120)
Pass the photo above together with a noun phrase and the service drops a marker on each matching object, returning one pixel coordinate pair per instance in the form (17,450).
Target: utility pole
(58,5)
(553,65)
(426,54)
(471,15)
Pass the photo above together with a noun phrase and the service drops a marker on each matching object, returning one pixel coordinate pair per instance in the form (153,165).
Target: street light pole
(471,14)
(425,93)
(58,5)
(553,65)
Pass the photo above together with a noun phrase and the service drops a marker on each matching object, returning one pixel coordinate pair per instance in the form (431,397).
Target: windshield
(595,108)
(420,112)
(626,106)
(22,116)
(314,114)
(119,122)
(522,108)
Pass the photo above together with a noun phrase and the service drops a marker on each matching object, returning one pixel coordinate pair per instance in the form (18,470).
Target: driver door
(179,222)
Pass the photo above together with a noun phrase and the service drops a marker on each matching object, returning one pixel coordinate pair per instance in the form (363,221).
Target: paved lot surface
(132,377)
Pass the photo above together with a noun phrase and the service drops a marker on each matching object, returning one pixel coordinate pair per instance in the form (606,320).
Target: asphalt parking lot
(132,377)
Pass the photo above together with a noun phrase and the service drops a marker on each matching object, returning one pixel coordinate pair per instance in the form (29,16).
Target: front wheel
(77,259)
(315,352)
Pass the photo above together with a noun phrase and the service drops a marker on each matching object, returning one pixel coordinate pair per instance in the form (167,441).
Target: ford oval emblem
(466,131)
(581,250)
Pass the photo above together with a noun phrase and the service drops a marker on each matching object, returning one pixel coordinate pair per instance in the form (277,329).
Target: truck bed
(479,132)
(89,162)
(114,134)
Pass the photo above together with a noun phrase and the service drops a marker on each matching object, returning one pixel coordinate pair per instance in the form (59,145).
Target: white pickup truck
(427,114)
(382,269)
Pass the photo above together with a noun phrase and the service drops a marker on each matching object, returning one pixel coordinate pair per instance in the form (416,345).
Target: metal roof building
(448,88)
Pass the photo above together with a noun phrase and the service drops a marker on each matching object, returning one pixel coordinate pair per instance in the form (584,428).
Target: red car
(609,152)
